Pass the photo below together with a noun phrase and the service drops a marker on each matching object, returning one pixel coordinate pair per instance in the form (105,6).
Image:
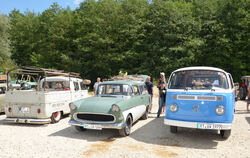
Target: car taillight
(9,109)
(38,111)
(67,89)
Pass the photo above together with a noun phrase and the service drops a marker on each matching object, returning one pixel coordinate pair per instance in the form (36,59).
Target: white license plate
(91,126)
(209,126)
(24,109)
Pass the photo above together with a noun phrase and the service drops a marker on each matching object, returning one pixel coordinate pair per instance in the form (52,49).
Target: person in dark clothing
(150,86)
(161,80)
(162,97)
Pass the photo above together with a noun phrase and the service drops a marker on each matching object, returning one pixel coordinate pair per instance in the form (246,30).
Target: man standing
(97,83)
(161,80)
(150,86)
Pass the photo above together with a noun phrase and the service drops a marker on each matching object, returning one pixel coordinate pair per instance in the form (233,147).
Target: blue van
(200,97)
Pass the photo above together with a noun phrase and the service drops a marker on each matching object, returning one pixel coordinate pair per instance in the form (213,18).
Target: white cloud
(77,2)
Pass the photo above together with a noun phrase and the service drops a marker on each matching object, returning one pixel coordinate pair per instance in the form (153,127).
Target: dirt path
(149,138)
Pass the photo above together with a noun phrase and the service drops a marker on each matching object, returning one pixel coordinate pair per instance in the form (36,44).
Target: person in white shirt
(97,83)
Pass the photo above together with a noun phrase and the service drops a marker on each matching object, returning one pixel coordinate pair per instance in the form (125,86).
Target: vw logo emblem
(196,108)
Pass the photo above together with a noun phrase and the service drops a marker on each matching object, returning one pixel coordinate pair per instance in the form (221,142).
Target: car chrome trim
(202,91)
(88,121)
(110,126)
(196,97)
(27,120)
(187,124)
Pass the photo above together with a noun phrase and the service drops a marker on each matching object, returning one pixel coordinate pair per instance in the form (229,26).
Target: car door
(76,92)
(138,101)
(84,90)
(232,88)
(146,99)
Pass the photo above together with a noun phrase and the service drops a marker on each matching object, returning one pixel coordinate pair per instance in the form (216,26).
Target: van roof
(200,68)
(60,78)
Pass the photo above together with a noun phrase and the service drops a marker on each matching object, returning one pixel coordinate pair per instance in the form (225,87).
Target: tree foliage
(5,61)
(101,38)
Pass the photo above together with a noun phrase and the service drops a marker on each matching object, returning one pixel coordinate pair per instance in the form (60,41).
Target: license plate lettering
(209,126)
(24,109)
(91,126)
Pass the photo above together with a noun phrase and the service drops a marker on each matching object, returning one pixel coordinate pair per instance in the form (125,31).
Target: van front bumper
(104,125)
(27,120)
(199,125)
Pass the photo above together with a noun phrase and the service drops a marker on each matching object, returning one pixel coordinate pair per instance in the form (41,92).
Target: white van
(45,104)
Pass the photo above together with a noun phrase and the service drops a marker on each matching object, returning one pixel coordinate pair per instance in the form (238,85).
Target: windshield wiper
(108,96)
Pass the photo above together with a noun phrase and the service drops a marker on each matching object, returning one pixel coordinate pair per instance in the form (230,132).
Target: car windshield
(114,89)
(198,79)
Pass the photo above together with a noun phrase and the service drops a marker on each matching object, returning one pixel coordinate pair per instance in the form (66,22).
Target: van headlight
(220,110)
(115,108)
(72,106)
(173,107)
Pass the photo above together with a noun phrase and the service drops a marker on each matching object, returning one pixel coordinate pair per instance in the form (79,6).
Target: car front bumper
(104,125)
(188,124)
(27,120)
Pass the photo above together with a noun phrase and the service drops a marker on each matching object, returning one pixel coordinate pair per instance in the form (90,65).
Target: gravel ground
(149,138)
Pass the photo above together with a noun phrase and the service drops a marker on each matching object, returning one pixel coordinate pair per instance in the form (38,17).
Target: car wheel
(56,116)
(145,115)
(225,133)
(173,129)
(79,128)
(125,131)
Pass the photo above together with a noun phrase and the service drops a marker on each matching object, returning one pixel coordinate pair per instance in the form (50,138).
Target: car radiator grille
(96,117)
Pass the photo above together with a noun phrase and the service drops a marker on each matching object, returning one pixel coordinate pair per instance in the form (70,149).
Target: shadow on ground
(248,119)
(2,122)
(88,135)
(153,132)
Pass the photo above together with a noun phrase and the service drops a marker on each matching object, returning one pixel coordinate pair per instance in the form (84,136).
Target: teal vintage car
(115,105)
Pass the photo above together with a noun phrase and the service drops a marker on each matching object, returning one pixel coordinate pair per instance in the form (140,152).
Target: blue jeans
(160,106)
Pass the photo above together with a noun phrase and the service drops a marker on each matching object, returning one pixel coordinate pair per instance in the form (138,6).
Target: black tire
(80,129)
(125,131)
(173,129)
(145,115)
(225,133)
(56,117)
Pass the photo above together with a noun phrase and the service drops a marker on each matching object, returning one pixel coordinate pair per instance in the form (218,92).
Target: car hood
(97,104)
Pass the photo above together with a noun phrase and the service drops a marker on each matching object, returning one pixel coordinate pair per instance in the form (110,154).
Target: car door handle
(141,97)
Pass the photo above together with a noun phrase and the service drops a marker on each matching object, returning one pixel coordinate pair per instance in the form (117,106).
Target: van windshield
(198,80)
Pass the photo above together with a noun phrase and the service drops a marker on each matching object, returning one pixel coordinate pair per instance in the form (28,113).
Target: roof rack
(39,73)
(134,77)
(42,71)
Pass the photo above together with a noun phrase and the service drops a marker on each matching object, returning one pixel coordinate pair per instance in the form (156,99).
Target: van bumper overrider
(187,124)
(27,120)
(110,126)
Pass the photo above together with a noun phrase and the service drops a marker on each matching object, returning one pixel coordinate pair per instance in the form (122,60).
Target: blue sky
(6,6)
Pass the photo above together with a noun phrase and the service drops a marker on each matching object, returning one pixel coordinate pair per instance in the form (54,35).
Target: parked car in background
(3,87)
(3,83)
(117,105)
(200,97)
(46,102)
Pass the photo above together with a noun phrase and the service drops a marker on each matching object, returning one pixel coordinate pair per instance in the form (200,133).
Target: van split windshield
(198,80)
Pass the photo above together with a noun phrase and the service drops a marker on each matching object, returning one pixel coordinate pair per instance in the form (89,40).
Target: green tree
(5,61)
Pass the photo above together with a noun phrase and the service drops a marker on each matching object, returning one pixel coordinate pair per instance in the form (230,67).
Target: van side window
(76,85)
(83,86)
(231,80)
